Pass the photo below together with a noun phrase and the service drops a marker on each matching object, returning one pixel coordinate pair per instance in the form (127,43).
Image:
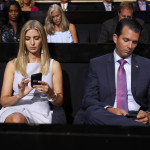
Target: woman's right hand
(23,88)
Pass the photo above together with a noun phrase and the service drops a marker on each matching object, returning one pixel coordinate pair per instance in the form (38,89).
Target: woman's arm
(6,95)
(73,32)
(57,83)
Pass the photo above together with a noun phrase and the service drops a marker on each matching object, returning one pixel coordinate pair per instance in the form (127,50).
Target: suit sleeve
(92,92)
(104,36)
(144,33)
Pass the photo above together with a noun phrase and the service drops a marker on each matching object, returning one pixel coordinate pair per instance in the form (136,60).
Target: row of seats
(74,59)
(88,24)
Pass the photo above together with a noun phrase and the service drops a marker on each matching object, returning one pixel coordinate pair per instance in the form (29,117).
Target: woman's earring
(41,51)
(25,51)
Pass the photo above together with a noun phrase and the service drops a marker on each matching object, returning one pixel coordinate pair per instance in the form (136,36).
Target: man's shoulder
(111,21)
(141,59)
(140,21)
(103,58)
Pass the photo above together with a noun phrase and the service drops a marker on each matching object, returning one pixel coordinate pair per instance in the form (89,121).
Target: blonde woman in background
(31,104)
(58,28)
(28,5)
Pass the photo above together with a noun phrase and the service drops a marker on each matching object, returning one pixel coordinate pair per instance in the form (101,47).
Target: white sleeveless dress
(35,106)
(60,37)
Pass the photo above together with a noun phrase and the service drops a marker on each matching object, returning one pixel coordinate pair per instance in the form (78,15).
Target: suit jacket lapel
(134,74)
(111,76)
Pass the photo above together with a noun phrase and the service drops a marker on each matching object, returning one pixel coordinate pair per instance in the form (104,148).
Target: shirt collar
(66,4)
(117,57)
(107,4)
(144,2)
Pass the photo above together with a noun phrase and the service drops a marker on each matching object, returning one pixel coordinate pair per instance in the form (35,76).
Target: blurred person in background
(28,5)
(107,5)
(58,28)
(126,10)
(12,22)
(142,5)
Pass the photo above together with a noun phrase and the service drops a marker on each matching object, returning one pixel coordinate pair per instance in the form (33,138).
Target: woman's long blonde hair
(64,26)
(21,3)
(22,58)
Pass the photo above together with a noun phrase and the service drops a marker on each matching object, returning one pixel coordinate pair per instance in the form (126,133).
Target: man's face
(64,1)
(125,13)
(126,42)
(107,1)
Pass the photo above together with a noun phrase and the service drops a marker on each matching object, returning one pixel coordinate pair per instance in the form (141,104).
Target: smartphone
(35,78)
(131,116)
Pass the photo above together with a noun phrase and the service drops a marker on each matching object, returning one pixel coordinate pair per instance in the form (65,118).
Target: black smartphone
(35,78)
(131,116)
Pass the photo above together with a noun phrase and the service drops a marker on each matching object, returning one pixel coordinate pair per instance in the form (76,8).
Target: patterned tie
(122,101)
(142,6)
(63,7)
(108,7)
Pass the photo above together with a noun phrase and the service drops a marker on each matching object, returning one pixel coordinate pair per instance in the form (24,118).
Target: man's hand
(117,111)
(143,117)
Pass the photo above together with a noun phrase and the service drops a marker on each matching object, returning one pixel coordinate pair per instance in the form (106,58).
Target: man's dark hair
(129,22)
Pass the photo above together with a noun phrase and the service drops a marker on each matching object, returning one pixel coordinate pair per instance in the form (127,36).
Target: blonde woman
(31,104)
(58,28)
(28,5)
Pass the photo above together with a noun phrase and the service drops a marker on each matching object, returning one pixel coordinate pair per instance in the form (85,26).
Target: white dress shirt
(132,105)
(108,7)
(64,5)
(144,4)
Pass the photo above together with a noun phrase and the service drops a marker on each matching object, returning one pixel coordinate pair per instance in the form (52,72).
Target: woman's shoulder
(71,26)
(11,64)
(34,8)
(55,63)
(6,26)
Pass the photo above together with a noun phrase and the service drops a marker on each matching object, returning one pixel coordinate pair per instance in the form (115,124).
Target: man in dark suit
(67,6)
(107,5)
(103,94)
(126,10)
(142,5)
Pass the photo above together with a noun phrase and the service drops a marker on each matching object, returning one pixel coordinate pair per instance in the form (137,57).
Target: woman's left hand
(44,88)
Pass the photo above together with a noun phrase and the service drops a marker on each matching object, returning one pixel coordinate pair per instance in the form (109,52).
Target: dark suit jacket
(137,8)
(100,6)
(108,29)
(101,90)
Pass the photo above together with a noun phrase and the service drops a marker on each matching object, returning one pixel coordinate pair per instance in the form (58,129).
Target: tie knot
(122,62)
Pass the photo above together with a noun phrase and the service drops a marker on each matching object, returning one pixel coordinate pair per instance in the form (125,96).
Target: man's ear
(115,38)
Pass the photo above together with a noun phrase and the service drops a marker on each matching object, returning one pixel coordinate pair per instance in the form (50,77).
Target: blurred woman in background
(28,5)
(12,22)
(58,28)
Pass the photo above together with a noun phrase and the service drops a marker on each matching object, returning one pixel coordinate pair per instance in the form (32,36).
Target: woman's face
(56,17)
(26,1)
(13,13)
(33,41)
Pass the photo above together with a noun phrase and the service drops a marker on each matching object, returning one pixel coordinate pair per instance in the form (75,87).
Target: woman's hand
(23,87)
(44,88)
